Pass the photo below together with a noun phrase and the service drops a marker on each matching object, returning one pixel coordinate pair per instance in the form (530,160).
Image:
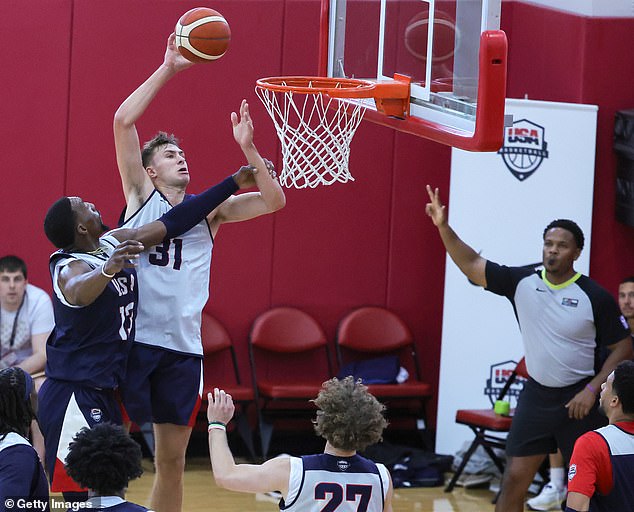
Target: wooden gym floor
(202,495)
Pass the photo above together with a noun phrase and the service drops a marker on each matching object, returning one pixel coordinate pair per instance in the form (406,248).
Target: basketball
(202,35)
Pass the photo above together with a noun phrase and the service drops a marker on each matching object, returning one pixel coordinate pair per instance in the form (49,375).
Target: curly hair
(152,146)
(16,412)
(103,458)
(349,417)
(569,226)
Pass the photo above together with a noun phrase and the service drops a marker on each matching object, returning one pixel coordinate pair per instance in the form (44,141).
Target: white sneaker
(549,499)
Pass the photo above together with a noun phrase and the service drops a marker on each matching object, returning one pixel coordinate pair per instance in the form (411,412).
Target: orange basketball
(202,35)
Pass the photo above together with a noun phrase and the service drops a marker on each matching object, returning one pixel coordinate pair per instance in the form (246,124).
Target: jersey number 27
(336,492)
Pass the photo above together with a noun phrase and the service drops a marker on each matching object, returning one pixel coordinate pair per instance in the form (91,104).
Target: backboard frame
(482,131)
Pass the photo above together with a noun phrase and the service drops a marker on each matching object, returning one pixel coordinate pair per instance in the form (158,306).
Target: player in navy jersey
(349,418)
(565,319)
(94,301)
(164,381)
(600,478)
(21,472)
(104,459)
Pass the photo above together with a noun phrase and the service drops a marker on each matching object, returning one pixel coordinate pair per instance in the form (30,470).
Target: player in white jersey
(349,418)
(163,384)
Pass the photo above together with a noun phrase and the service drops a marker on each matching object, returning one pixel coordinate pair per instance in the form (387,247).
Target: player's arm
(581,404)
(577,502)
(387,506)
(187,214)
(270,196)
(470,263)
(81,285)
(271,476)
(136,183)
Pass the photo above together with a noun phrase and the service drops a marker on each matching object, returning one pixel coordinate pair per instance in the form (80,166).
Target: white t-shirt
(36,317)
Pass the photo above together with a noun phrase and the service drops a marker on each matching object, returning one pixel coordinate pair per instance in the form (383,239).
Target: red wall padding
(331,249)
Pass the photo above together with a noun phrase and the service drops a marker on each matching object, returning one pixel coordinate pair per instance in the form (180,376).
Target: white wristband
(103,273)
(216,426)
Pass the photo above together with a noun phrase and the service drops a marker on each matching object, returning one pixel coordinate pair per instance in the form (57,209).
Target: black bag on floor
(410,467)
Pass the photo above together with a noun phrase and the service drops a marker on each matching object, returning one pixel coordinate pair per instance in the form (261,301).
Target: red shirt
(590,467)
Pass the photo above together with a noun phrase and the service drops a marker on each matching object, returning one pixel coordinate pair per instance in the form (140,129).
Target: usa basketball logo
(343,465)
(524,148)
(95,414)
(498,376)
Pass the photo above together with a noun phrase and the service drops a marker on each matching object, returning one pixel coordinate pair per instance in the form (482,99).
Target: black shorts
(541,423)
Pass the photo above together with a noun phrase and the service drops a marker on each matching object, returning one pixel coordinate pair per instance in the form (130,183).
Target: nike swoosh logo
(540,290)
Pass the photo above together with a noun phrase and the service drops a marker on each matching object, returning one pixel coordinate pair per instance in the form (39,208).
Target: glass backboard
(453,52)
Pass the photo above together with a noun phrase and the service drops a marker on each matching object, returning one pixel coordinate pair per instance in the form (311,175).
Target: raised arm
(187,214)
(270,196)
(273,475)
(470,263)
(136,183)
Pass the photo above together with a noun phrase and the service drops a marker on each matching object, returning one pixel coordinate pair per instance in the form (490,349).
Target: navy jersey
(563,326)
(89,344)
(328,482)
(21,473)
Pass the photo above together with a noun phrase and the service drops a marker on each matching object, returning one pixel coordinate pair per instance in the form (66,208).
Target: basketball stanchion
(315,128)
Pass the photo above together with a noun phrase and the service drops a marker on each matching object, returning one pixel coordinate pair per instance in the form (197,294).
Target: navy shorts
(541,423)
(162,386)
(64,408)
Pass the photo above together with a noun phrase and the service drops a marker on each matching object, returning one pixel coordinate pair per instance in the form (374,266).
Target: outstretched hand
(173,58)
(123,256)
(242,126)
(220,406)
(435,209)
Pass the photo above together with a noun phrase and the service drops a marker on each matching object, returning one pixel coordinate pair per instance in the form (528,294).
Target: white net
(315,132)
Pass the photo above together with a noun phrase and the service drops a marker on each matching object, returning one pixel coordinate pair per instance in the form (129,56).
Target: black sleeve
(503,280)
(610,324)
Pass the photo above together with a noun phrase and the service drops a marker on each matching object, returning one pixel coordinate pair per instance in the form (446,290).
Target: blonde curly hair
(349,417)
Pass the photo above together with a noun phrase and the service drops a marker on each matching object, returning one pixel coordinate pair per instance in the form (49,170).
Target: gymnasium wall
(330,249)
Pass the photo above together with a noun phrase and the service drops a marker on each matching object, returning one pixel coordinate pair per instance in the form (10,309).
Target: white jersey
(35,316)
(327,482)
(173,283)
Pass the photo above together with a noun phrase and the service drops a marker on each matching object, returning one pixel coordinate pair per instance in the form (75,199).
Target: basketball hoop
(315,128)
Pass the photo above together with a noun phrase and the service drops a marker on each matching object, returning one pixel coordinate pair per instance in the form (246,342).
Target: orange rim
(335,87)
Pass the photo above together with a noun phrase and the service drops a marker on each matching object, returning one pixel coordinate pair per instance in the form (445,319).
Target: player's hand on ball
(173,58)
(220,406)
(435,209)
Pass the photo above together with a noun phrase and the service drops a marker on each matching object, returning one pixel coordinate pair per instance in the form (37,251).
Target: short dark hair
(152,145)
(570,226)
(623,385)
(625,280)
(16,412)
(12,263)
(349,417)
(59,223)
(103,458)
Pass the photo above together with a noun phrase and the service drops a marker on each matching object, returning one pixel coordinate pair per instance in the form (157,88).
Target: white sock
(557,478)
